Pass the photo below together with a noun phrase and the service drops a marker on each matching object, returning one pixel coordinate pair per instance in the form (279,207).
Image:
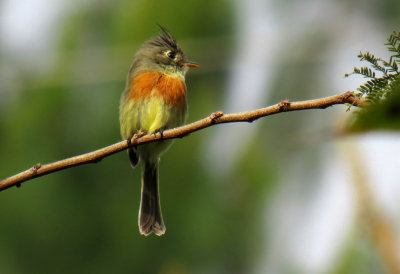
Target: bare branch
(215,118)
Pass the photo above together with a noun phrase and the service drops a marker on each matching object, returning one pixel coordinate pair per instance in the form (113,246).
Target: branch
(215,118)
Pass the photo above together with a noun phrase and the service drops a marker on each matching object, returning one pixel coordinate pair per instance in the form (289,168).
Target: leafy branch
(382,74)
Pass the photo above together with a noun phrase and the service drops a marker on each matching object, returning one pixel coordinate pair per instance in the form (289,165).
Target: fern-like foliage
(381,74)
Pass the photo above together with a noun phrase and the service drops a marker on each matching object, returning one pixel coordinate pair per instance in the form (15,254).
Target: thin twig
(215,118)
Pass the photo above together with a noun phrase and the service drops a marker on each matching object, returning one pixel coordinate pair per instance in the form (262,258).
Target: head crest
(164,39)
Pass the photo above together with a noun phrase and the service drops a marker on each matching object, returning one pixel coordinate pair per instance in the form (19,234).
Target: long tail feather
(150,217)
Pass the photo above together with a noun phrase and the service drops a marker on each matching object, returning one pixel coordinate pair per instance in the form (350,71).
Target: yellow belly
(149,115)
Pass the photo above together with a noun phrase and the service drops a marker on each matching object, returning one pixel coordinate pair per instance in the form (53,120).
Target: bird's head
(164,54)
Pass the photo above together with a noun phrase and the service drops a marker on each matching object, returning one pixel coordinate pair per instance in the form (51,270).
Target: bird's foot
(160,131)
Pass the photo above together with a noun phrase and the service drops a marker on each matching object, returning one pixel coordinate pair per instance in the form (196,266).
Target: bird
(154,100)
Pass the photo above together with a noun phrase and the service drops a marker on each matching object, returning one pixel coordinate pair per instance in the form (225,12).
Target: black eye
(171,54)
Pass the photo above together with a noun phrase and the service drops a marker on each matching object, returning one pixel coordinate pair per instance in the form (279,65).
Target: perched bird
(154,100)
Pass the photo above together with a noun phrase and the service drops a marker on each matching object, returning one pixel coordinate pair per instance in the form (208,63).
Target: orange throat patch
(155,83)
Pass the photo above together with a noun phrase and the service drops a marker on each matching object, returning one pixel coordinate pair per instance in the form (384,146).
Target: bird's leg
(135,136)
(133,156)
(161,131)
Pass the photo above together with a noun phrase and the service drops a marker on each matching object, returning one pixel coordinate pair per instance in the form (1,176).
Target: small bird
(154,100)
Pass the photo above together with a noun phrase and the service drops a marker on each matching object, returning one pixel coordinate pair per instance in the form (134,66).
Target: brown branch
(215,118)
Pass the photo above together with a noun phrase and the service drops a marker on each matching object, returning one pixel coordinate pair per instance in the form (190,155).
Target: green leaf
(384,115)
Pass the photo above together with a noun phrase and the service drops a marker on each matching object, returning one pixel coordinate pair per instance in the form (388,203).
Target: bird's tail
(150,217)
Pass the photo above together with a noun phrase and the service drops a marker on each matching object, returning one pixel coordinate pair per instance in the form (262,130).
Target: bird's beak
(191,64)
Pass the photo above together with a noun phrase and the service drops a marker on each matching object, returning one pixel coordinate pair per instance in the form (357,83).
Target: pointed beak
(191,64)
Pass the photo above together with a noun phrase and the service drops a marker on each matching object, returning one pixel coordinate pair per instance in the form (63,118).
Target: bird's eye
(170,54)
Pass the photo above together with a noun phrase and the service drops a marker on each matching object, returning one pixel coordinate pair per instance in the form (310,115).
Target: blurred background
(284,194)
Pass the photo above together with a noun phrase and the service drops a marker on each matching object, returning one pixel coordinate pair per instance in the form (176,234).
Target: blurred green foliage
(84,220)
(384,115)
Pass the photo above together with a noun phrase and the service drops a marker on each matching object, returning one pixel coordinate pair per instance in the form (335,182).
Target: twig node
(214,116)
(284,104)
